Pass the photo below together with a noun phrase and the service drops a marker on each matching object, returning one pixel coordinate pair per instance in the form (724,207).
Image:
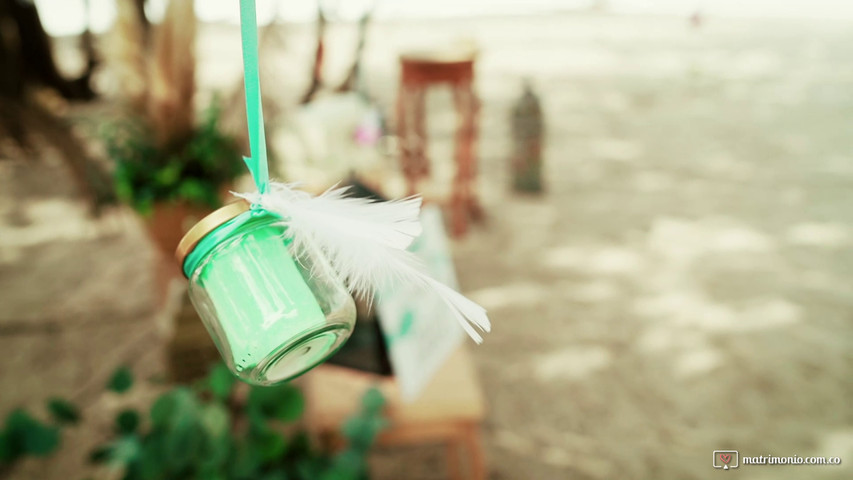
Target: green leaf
(28,435)
(169,175)
(176,417)
(214,418)
(151,462)
(300,445)
(173,407)
(349,465)
(192,170)
(373,401)
(144,205)
(63,411)
(361,430)
(127,422)
(184,443)
(283,402)
(211,473)
(124,190)
(121,381)
(163,410)
(100,454)
(221,380)
(276,475)
(217,453)
(269,444)
(41,441)
(310,467)
(8,452)
(125,450)
(246,464)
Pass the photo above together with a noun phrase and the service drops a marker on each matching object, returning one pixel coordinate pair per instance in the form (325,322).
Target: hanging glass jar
(272,316)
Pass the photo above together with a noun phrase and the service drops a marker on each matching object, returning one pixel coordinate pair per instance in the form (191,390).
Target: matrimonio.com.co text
(730,459)
(793,460)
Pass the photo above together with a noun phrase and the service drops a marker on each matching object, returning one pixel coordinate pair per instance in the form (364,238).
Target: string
(257,162)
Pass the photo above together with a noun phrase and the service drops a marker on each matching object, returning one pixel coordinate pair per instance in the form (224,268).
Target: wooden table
(449,411)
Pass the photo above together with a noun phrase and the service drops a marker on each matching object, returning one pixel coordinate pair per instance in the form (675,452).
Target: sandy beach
(682,286)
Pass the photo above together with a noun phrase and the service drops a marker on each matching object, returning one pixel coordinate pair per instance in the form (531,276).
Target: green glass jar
(271,316)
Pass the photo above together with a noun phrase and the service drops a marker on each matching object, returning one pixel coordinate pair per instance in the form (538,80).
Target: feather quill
(365,241)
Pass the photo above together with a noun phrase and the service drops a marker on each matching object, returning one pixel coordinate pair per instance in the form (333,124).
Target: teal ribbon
(257,162)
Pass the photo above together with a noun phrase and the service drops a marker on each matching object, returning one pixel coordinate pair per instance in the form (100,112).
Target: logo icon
(725,459)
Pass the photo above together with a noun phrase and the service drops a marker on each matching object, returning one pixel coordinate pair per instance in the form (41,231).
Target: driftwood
(317,70)
(351,81)
(353,77)
(143,19)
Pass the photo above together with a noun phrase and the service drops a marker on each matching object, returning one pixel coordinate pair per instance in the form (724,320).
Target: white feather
(365,241)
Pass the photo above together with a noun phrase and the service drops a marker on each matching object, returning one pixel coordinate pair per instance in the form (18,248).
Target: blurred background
(651,199)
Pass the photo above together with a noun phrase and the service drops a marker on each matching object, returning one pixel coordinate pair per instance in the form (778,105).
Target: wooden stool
(419,71)
(449,411)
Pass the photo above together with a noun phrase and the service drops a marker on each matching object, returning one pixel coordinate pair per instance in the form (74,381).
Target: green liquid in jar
(261,305)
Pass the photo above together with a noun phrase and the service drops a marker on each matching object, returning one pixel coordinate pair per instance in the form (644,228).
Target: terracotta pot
(169,222)
(166,225)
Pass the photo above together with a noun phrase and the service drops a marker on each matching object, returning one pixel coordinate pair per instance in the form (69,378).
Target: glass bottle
(272,316)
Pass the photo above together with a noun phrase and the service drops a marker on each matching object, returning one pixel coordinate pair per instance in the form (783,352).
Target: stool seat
(445,65)
(421,72)
(440,55)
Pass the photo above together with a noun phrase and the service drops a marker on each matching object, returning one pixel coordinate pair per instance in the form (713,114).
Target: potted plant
(216,428)
(169,167)
(175,184)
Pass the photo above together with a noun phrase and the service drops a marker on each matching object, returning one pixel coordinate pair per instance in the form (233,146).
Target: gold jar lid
(207,225)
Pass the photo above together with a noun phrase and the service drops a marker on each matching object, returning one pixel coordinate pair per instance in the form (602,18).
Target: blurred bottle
(527,131)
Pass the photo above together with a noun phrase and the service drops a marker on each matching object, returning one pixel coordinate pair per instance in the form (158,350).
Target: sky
(64,17)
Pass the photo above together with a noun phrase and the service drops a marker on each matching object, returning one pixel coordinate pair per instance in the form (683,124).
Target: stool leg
(476,456)
(454,459)
(474,208)
(420,135)
(462,196)
(403,135)
(412,135)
